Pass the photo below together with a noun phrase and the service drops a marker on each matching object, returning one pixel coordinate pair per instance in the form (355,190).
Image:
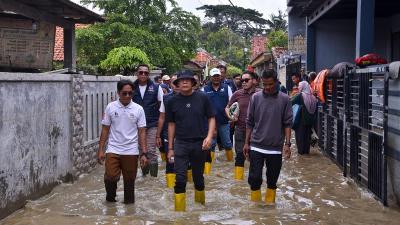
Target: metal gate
(352,126)
(292,68)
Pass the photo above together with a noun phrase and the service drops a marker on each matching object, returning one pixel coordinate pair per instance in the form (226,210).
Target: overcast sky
(266,7)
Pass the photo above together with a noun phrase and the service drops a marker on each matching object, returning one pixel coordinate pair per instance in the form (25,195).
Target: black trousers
(273,162)
(189,152)
(240,135)
(303,138)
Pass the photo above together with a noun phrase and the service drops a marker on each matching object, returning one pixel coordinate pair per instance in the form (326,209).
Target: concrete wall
(34,135)
(297,35)
(393,143)
(335,42)
(296,26)
(44,133)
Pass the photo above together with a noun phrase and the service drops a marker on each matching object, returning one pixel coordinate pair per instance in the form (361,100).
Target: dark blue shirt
(219,100)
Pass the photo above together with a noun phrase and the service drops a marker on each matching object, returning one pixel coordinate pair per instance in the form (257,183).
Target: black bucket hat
(185,74)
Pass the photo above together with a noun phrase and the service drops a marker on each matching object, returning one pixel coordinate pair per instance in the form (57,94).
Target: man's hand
(170,154)
(143,161)
(158,142)
(101,156)
(207,143)
(246,150)
(286,152)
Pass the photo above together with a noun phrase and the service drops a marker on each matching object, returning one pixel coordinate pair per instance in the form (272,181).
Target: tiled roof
(59,42)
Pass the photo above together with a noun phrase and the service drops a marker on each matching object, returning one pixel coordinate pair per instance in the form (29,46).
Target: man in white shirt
(149,95)
(124,126)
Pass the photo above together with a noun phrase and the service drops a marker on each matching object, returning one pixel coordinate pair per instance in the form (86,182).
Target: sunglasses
(143,72)
(126,93)
(245,80)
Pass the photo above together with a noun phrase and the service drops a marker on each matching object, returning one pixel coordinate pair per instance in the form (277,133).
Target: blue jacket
(149,102)
(219,99)
(231,84)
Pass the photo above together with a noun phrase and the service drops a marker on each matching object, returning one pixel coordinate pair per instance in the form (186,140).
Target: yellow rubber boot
(229,155)
(180,202)
(170,177)
(163,157)
(207,168)
(270,196)
(239,173)
(212,156)
(189,176)
(200,197)
(255,196)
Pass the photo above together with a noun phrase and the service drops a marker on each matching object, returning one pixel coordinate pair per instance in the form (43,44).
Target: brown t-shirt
(243,98)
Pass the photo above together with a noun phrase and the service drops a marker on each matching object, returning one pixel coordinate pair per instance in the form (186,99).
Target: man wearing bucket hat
(188,138)
(219,95)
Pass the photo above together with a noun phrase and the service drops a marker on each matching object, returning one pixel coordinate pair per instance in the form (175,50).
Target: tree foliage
(245,22)
(167,37)
(232,70)
(141,13)
(124,60)
(277,38)
(228,46)
(277,22)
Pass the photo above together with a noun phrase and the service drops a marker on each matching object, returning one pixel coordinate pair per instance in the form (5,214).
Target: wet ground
(311,190)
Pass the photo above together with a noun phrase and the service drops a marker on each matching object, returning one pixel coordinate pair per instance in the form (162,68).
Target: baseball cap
(166,77)
(214,72)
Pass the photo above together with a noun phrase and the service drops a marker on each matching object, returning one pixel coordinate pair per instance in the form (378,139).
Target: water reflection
(311,190)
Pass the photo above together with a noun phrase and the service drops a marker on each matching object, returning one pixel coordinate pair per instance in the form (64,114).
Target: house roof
(59,12)
(261,58)
(59,42)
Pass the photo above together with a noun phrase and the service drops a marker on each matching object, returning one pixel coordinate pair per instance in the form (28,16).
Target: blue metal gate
(352,126)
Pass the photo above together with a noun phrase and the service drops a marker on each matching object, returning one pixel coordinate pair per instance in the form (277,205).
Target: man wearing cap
(188,138)
(219,95)
(149,95)
(167,81)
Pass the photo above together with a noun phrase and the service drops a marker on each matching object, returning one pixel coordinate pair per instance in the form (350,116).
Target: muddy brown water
(311,190)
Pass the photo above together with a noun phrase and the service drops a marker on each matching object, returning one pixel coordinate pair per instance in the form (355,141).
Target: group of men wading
(187,123)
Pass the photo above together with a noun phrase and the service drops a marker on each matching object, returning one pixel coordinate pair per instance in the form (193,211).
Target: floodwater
(311,190)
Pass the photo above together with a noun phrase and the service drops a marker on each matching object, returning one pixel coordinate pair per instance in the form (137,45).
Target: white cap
(214,72)
(166,77)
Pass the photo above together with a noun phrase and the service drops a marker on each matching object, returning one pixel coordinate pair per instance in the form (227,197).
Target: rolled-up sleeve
(288,115)
(250,114)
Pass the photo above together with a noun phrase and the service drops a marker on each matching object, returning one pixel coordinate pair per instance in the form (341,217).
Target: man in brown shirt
(242,97)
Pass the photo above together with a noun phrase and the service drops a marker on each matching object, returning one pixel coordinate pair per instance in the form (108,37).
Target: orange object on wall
(319,85)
